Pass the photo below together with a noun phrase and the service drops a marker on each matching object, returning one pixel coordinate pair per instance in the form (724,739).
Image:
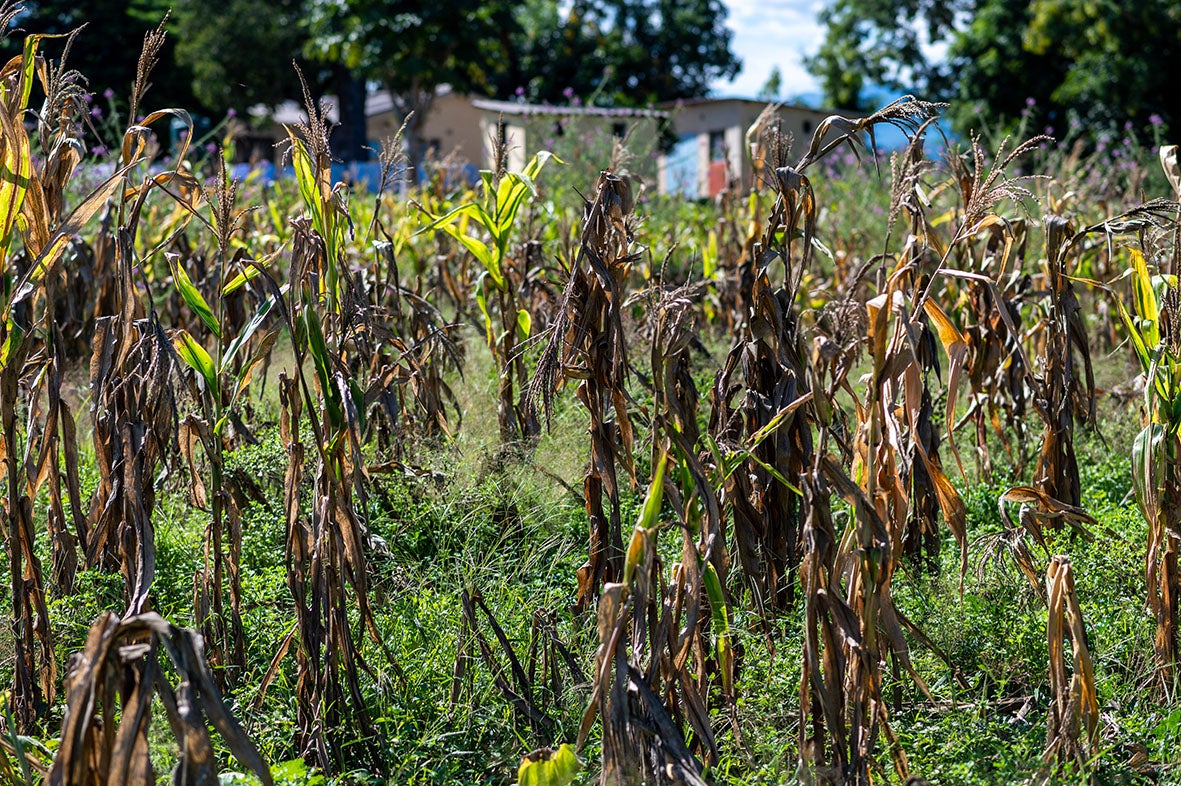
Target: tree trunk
(412,107)
(349,137)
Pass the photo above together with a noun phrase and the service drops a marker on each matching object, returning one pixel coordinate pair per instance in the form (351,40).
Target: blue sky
(769,33)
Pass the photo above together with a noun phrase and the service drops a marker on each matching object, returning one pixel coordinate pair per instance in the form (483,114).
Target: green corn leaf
(249,273)
(759,436)
(469,209)
(236,345)
(510,195)
(1137,338)
(192,296)
(717,599)
(197,358)
(358,395)
(1174,419)
(721,620)
(323,362)
(709,256)
(1148,465)
(775,473)
(538,162)
(649,518)
(305,177)
(482,302)
(15,335)
(650,514)
(15,168)
(15,160)
(486,256)
(715,452)
(28,69)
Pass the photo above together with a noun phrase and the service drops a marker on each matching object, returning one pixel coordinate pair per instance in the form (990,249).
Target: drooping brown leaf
(1072,724)
(119,670)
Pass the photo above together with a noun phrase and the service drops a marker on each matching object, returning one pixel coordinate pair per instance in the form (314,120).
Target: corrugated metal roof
(291,112)
(672,106)
(514,108)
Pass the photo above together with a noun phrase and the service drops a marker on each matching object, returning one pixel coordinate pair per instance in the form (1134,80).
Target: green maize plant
(1157,449)
(486,229)
(220,381)
(325,202)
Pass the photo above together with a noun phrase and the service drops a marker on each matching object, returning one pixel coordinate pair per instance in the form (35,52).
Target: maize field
(871,475)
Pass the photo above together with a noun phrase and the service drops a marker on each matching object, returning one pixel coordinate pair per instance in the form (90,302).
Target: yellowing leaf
(547,767)
(1145,300)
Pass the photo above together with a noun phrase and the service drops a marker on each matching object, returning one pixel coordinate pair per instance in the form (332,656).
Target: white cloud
(769,33)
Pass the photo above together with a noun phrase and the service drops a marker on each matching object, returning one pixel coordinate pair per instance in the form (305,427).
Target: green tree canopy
(623,52)
(107,49)
(1101,62)
(773,86)
(412,47)
(879,42)
(224,54)
(239,52)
